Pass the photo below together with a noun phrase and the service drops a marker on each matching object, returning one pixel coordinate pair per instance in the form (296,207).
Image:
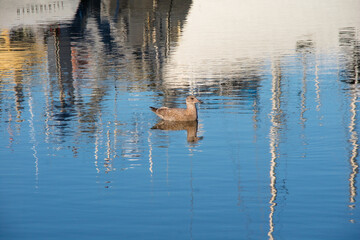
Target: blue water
(274,154)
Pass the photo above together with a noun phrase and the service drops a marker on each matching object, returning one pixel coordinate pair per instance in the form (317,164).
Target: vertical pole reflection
(355,150)
(33,138)
(317,87)
(349,44)
(108,160)
(168,32)
(58,64)
(96,151)
(305,48)
(48,96)
(303,95)
(98,142)
(150,154)
(276,122)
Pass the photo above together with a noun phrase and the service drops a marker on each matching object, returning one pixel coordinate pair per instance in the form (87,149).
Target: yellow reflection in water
(19,49)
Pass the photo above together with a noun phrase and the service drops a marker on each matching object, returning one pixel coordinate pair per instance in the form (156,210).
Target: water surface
(274,154)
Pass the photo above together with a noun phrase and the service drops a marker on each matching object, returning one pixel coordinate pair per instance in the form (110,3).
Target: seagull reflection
(191,128)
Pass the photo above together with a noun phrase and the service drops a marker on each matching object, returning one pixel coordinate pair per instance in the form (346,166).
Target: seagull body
(179,114)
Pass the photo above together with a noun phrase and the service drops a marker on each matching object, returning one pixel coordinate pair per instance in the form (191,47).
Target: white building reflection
(15,14)
(256,31)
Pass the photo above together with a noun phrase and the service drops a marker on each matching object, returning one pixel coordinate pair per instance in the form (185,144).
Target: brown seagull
(179,114)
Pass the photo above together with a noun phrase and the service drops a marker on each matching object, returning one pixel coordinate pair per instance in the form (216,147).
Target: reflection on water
(76,81)
(304,48)
(124,44)
(350,47)
(354,152)
(191,128)
(277,119)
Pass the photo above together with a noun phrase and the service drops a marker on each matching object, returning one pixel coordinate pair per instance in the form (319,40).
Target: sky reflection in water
(274,154)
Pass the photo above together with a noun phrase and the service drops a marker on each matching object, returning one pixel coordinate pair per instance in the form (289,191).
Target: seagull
(179,114)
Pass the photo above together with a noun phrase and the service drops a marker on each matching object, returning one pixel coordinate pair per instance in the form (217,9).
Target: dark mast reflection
(304,48)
